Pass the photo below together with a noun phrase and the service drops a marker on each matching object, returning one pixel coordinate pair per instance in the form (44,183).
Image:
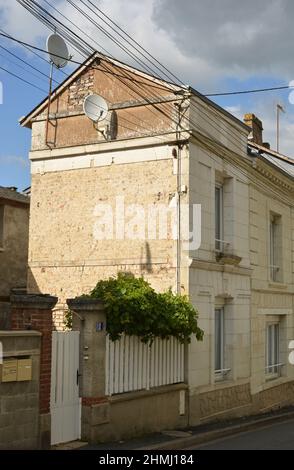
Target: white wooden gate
(65,401)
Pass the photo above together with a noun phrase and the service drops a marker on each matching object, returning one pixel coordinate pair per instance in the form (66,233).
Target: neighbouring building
(164,146)
(14,235)
(272,263)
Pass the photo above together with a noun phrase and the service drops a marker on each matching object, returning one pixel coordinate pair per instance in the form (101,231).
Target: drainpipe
(179,184)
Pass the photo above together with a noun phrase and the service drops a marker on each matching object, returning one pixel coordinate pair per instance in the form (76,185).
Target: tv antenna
(59,57)
(96,109)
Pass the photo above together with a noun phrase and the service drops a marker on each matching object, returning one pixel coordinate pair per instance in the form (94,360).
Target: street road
(278,436)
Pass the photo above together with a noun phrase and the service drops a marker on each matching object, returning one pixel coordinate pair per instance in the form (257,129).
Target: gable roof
(26,121)
(11,194)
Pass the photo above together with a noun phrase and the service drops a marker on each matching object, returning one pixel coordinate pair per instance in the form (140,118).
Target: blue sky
(205,68)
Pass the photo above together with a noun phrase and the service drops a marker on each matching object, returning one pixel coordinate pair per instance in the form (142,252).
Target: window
(219,344)
(273,365)
(275,248)
(219,229)
(1,226)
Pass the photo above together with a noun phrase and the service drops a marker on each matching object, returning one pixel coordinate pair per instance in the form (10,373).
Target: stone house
(14,235)
(164,146)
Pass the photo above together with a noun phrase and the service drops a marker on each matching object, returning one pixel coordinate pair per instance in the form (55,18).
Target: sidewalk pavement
(183,438)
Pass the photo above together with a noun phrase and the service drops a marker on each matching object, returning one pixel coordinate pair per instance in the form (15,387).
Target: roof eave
(219,108)
(27,120)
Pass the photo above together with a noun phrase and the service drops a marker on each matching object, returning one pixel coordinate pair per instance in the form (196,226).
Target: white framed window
(1,226)
(219,218)
(219,343)
(273,364)
(275,248)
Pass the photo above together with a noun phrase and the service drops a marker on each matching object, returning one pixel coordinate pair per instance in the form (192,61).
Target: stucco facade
(14,234)
(150,161)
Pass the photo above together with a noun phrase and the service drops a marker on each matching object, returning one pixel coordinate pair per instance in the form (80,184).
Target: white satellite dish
(58,50)
(95,108)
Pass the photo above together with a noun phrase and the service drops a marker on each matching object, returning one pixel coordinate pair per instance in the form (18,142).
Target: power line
(67,32)
(158,109)
(135,42)
(71,22)
(22,79)
(136,91)
(237,140)
(192,104)
(19,66)
(126,75)
(133,55)
(254,90)
(37,48)
(240,92)
(27,63)
(31,51)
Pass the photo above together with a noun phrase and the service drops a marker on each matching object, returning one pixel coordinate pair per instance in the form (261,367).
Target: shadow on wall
(146,261)
(4,316)
(65,288)
(32,286)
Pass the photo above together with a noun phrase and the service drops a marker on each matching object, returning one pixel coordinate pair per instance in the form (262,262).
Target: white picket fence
(132,365)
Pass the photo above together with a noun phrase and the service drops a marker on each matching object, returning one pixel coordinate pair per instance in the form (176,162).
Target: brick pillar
(89,318)
(34,312)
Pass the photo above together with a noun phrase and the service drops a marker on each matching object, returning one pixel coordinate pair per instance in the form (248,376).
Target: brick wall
(35,313)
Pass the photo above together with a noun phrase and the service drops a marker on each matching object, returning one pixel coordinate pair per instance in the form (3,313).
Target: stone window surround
(275,252)
(279,320)
(220,304)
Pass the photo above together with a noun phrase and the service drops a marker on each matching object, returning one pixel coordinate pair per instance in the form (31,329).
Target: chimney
(256,128)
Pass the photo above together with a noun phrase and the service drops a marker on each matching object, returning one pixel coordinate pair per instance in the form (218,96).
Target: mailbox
(16,370)
(24,370)
(9,370)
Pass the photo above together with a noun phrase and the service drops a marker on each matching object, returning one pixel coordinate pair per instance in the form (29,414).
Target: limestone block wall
(66,258)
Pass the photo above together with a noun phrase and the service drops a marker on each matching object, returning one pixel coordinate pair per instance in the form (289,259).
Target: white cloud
(15,20)
(13,160)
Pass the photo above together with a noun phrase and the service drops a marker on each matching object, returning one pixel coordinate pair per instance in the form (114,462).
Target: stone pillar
(34,312)
(89,318)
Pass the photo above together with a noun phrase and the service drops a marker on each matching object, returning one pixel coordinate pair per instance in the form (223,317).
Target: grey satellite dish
(58,50)
(95,108)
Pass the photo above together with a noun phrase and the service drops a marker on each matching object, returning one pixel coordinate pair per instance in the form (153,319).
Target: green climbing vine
(133,307)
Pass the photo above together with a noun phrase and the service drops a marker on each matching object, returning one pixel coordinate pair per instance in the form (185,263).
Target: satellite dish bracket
(102,132)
